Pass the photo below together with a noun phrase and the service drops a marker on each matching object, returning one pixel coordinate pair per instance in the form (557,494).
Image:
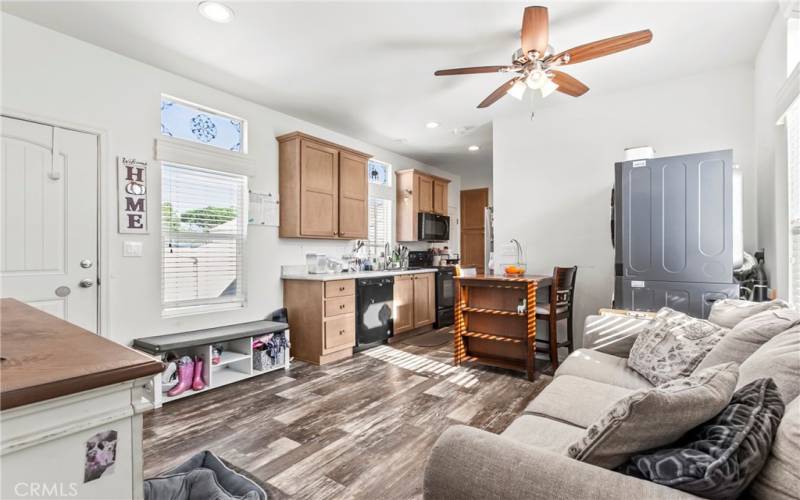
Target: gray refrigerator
(673,232)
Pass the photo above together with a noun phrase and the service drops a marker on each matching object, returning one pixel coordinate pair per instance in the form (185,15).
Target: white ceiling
(366,69)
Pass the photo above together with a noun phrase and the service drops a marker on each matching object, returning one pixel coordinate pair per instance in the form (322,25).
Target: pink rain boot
(198,382)
(185,372)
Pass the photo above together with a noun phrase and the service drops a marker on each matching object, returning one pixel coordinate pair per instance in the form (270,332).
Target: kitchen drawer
(340,305)
(340,332)
(339,288)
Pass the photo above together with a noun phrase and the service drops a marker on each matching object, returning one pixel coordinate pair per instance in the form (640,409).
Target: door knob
(86,263)
(86,283)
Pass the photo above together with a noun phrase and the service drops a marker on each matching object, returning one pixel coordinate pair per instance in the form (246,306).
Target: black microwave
(433,227)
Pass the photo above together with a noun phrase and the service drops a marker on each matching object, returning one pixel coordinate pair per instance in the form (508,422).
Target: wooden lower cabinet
(414,301)
(424,299)
(321,319)
(403,303)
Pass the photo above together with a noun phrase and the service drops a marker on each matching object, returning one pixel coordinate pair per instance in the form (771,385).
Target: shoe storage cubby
(236,361)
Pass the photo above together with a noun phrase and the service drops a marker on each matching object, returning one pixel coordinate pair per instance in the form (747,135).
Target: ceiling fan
(533,63)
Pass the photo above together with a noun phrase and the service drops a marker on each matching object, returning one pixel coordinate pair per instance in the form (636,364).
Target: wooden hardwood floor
(359,428)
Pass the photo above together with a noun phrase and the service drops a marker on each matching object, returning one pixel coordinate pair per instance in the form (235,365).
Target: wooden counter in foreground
(45,357)
(496,320)
(72,405)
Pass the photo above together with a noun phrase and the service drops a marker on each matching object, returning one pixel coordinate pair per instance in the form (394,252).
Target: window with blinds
(380,229)
(793,144)
(203,233)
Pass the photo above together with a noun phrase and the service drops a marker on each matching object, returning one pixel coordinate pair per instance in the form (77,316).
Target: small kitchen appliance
(317,263)
(433,227)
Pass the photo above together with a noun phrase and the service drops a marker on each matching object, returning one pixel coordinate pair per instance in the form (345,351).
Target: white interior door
(48,224)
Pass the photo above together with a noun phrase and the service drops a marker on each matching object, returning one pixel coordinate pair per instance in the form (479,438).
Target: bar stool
(562,293)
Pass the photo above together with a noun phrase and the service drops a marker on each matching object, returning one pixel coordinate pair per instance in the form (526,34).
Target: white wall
(478,176)
(553,175)
(56,78)
(770,155)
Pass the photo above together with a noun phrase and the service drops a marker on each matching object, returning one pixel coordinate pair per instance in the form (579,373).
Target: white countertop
(347,276)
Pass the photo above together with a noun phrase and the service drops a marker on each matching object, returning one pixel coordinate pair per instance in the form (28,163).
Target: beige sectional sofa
(528,460)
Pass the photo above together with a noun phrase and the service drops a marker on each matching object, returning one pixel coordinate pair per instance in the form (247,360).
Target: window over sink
(380,225)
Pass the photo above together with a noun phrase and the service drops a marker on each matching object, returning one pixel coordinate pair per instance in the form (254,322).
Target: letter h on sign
(132,175)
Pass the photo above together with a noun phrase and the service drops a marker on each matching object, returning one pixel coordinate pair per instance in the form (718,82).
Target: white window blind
(793,144)
(380,230)
(203,233)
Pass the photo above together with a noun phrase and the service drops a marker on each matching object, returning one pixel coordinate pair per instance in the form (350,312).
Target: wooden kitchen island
(496,320)
(72,405)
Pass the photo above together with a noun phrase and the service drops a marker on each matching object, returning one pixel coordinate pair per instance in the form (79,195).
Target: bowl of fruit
(515,269)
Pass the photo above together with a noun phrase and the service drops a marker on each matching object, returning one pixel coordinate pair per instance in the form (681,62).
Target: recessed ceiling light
(215,11)
(431,124)
(474,148)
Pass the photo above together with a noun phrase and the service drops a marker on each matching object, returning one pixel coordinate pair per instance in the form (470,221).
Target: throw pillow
(729,312)
(721,457)
(672,346)
(750,334)
(780,477)
(778,359)
(649,418)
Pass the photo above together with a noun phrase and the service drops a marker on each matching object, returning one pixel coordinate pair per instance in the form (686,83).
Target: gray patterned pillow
(672,346)
(721,457)
(649,418)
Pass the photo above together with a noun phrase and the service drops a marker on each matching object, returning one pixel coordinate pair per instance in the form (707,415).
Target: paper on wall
(263,210)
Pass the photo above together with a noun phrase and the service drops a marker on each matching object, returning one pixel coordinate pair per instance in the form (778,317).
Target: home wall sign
(132,176)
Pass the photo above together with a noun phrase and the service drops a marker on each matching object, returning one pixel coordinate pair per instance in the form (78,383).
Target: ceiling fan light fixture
(215,11)
(517,91)
(548,88)
(536,80)
(474,148)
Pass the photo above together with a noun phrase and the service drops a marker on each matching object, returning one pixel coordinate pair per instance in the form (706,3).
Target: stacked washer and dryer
(677,232)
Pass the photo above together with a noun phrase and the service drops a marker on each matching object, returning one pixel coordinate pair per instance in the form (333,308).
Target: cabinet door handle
(341,306)
(341,289)
(341,332)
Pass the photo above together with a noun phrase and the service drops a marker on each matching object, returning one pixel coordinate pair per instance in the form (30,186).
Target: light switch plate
(132,249)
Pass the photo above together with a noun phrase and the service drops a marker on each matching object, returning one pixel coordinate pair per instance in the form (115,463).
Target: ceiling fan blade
(568,84)
(497,94)
(605,47)
(535,30)
(470,71)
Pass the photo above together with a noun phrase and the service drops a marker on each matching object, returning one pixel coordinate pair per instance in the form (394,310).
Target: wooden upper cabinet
(319,186)
(424,299)
(353,196)
(403,316)
(440,197)
(418,192)
(424,186)
(323,189)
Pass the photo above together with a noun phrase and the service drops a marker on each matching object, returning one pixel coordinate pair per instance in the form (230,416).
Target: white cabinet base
(43,446)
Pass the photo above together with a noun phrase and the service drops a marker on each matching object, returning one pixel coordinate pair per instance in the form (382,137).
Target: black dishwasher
(373,311)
